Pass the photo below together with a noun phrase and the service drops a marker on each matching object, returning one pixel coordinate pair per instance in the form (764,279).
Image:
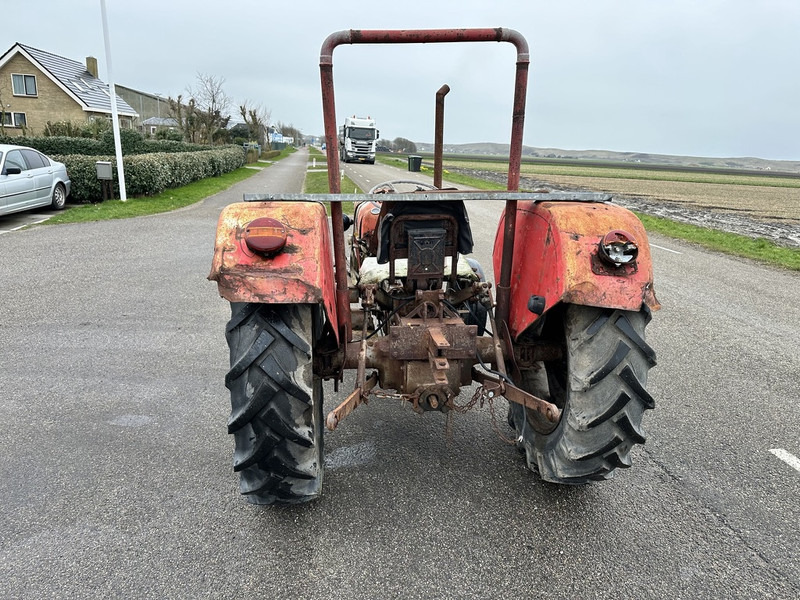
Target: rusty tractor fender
(365,229)
(559,257)
(275,253)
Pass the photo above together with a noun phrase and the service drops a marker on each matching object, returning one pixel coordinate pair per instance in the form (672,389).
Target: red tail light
(265,236)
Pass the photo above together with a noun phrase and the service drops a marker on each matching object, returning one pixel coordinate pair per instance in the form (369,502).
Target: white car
(28,179)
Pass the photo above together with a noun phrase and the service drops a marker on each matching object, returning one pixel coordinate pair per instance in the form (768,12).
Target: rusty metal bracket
(514,394)
(357,397)
(437,355)
(509,346)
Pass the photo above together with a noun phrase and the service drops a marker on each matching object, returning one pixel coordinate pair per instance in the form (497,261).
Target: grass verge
(730,243)
(317,183)
(149,205)
(165,201)
(447,176)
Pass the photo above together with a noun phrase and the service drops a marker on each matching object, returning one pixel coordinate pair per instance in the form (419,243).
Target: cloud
(684,77)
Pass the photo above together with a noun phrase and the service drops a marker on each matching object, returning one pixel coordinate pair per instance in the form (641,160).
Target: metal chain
(476,397)
(387,395)
(480,397)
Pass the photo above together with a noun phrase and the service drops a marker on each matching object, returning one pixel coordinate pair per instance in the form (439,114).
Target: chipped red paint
(365,229)
(301,273)
(555,256)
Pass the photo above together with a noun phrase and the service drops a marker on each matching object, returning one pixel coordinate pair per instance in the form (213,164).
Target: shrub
(85,186)
(130,140)
(92,129)
(149,174)
(151,166)
(169,134)
(146,174)
(58,144)
(62,128)
(270,154)
(132,143)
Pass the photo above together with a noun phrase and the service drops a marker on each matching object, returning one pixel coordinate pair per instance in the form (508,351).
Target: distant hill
(490,148)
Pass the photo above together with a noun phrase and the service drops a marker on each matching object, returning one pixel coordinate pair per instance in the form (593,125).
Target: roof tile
(73,75)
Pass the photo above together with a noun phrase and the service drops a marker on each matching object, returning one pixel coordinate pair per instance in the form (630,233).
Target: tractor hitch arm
(349,404)
(496,386)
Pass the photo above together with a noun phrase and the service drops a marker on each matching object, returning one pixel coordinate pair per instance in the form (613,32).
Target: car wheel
(59,197)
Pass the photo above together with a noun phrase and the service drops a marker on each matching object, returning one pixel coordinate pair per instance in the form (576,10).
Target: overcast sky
(690,77)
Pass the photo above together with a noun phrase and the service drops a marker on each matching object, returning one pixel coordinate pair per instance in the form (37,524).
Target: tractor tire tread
(276,401)
(609,360)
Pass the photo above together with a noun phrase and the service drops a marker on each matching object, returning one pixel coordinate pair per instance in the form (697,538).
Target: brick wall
(51,103)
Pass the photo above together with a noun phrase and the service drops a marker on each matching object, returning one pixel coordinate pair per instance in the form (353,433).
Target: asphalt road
(17,221)
(115,465)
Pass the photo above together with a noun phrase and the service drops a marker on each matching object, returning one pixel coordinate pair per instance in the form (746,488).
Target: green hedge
(252,155)
(59,145)
(132,143)
(270,154)
(149,174)
(151,166)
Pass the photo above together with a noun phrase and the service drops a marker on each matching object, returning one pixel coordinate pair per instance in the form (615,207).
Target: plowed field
(746,207)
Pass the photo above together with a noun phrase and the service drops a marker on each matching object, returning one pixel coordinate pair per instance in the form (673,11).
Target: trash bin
(414,162)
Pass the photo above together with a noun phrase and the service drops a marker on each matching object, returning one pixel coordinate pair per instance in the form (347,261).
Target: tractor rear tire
(276,403)
(599,384)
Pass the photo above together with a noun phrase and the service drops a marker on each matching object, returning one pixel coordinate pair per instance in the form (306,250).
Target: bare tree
(290,131)
(178,112)
(185,113)
(211,106)
(2,115)
(257,118)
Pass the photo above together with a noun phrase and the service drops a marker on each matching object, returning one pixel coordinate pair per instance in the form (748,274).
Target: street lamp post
(114,114)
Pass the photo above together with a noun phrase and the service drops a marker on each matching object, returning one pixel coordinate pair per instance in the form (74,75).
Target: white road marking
(667,249)
(29,224)
(787,457)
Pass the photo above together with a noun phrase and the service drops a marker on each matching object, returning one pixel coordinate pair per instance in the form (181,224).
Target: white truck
(358,138)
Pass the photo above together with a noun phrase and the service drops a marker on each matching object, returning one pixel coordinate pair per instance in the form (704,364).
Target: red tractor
(563,340)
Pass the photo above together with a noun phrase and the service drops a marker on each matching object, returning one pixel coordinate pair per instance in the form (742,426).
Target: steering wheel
(388,187)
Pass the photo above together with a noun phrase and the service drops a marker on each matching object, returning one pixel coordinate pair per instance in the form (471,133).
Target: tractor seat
(373,272)
(455,212)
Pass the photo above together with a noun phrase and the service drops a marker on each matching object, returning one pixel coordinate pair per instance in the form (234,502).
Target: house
(154,110)
(38,86)
(154,124)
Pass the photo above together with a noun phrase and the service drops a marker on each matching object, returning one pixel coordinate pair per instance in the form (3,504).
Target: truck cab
(358,138)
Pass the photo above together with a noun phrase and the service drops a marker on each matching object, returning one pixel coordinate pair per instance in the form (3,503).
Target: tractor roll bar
(421,36)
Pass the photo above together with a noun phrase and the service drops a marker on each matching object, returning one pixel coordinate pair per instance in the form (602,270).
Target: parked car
(29,179)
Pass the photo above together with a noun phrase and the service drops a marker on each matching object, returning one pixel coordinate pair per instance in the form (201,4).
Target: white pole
(114,118)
